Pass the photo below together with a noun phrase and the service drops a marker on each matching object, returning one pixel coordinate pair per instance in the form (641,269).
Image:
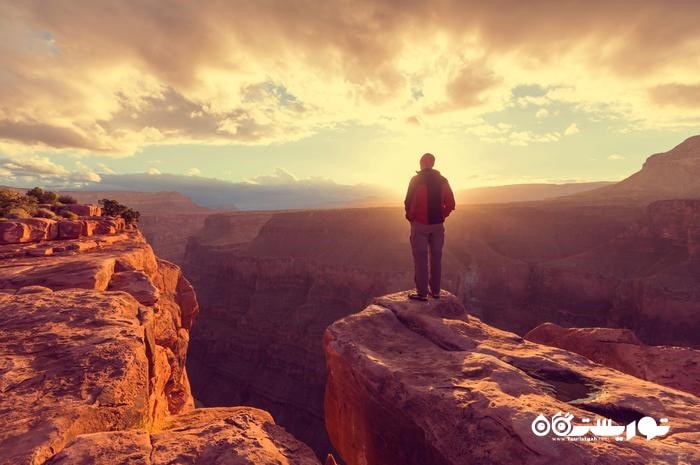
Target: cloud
(31,169)
(542,113)
(114,76)
(105,169)
(193,172)
(616,157)
(571,130)
(524,138)
(677,95)
(153,171)
(279,177)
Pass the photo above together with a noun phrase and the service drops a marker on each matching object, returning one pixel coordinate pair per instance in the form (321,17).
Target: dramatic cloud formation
(113,76)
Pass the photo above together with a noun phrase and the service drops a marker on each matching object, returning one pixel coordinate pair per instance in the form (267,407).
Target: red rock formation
(239,435)
(93,342)
(168,219)
(27,230)
(676,367)
(426,383)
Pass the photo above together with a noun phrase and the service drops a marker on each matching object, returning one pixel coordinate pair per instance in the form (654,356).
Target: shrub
(69,215)
(10,200)
(66,199)
(113,208)
(42,196)
(45,213)
(17,213)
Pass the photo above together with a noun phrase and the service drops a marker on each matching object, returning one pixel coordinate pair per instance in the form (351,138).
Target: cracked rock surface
(417,383)
(93,342)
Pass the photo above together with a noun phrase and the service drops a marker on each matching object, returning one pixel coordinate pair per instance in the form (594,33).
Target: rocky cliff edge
(94,330)
(426,383)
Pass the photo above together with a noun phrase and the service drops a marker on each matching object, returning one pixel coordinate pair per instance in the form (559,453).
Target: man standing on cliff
(429,201)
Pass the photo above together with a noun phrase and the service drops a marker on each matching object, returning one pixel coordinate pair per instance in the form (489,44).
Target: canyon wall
(414,383)
(94,331)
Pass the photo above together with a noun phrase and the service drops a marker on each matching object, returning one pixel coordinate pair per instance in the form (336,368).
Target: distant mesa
(669,175)
(524,192)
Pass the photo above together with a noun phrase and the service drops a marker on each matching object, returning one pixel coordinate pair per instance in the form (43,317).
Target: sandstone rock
(12,232)
(237,435)
(70,229)
(418,383)
(27,230)
(677,367)
(73,362)
(40,252)
(33,290)
(96,369)
(81,209)
(88,228)
(136,283)
(109,226)
(84,272)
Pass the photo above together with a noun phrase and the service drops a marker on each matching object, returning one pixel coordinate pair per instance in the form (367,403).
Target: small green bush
(66,199)
(17,213)
(10,200)
(42,196)
(45,213)
(113,208)
(69,215)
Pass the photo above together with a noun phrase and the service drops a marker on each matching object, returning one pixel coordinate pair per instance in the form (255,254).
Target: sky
(265,91)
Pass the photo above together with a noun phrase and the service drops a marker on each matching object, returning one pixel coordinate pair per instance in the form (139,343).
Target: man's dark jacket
(429,199)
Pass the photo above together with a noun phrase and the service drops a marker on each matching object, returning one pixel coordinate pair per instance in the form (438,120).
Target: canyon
(269,284)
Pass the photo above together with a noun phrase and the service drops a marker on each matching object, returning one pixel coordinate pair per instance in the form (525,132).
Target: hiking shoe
(435,295)
(414,296)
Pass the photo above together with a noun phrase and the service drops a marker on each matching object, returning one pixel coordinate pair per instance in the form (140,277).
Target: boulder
(70,229)
(27,230)
(87,210)
(88,227)
(33,290)
(109,226)
(136,283)
(13,232)
(676,367)
(426,383)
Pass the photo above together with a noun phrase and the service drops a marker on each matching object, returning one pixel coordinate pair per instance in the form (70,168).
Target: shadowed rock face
(417,383)
(93,341)
(676,367)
